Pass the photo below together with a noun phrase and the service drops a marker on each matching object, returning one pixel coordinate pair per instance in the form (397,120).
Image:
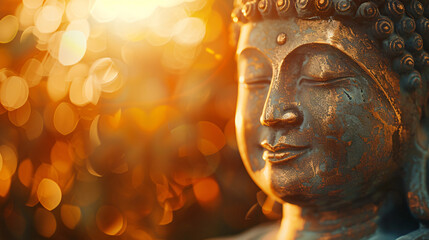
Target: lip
(282,152)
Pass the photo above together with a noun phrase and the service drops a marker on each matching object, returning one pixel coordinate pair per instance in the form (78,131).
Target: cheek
(251,103)
(249,109)
(376,163)
(353,131)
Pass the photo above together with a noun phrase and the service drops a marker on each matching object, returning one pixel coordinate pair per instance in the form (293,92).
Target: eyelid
(257,81)
(323,82)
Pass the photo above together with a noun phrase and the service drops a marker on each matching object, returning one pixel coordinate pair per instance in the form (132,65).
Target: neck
(347,223)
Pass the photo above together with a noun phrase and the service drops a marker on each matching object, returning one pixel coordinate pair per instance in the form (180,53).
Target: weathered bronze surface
(332,115)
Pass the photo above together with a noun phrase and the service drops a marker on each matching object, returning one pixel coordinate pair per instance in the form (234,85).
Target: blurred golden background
(117,122)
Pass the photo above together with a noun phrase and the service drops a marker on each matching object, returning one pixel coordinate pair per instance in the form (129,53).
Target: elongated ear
(416,180)
(417,167)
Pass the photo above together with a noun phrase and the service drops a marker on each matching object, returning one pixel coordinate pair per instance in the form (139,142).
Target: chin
(319,179)
(310,199)
(288,190)
(303,188)
(296,196)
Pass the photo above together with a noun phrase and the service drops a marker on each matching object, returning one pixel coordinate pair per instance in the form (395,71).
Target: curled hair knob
(422,60)
(394,45)
(346,8)
(414,42)
(423,27)
(305,8)
(367,11)
(267,8)
(411,81)
(323,7)
(382,27)
(284,8)
(404,63)
(394,9)
(405,26)
(415,9)
(250,11)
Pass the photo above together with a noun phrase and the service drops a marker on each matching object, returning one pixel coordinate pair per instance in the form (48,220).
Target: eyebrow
(249,49)
(340,67)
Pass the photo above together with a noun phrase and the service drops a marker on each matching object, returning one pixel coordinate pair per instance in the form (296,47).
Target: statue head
(332,104)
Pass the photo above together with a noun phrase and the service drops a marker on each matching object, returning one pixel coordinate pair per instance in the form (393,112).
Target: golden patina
(332,115)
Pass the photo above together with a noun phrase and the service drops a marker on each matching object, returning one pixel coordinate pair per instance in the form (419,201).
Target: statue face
(314,125)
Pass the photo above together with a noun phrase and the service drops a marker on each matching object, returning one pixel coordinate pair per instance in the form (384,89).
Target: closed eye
(258,82)
(325,82)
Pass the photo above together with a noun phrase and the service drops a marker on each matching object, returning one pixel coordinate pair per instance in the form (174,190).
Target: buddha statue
(332,115)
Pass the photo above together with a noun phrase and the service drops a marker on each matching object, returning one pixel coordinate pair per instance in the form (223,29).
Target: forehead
(263,36)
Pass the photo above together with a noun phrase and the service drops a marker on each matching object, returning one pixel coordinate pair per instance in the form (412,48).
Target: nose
(287,117)
(281,108)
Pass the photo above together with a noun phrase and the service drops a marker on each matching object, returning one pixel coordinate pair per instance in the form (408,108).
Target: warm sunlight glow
(70,215)
(65,118)
(115,117)
(45,222)
(189,31)
(25,172)
(109,220)
(206,191)
(9,162)
(48,18)
(61,157)
(49,194)
(72,47)
(20,116)
(14,92)
(105,74)
(8,28)
(32,72)
(128,10)
(32,4)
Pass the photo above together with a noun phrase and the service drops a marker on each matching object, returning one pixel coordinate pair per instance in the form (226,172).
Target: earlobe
(417,193)
(416,183)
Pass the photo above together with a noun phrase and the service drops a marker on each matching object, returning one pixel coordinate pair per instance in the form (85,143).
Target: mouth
(282,152)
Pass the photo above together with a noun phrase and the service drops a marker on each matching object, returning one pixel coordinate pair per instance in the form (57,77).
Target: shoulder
(421,234)
(261,232)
